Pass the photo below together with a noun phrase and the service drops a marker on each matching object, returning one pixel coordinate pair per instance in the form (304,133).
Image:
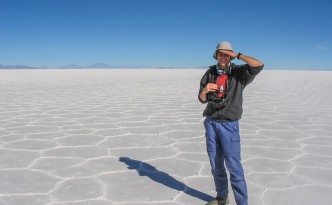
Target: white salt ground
(117,137)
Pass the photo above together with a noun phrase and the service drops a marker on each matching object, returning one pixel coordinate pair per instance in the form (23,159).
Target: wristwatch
(238,55)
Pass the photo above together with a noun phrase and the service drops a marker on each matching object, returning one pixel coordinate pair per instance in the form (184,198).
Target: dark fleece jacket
(239,77)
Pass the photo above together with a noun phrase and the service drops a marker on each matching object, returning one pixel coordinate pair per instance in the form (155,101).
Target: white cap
(224,45)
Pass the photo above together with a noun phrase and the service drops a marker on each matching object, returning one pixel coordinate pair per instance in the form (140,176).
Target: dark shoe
(219,201)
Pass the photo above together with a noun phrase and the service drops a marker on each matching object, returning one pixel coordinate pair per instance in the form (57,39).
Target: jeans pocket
(231,141)
(235,138)
(232,126)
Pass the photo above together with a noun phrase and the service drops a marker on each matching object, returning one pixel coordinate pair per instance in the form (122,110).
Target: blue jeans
(223,147)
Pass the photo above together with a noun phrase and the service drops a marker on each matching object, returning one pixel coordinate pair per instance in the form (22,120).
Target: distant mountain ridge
(76,66)
(95,65)
(17,67)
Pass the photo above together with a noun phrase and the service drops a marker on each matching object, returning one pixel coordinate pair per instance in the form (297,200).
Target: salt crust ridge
(117,137)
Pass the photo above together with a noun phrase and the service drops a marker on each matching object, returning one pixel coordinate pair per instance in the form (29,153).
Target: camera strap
(222,71)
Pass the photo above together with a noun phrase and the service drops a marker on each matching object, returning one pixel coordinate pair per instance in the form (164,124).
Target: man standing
(221,88)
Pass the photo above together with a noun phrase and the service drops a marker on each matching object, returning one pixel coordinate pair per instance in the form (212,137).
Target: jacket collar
(217,70)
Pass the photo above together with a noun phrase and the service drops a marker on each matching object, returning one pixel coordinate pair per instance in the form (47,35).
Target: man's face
(223,59)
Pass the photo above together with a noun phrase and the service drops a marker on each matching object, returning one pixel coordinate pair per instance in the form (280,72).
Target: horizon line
(105,66)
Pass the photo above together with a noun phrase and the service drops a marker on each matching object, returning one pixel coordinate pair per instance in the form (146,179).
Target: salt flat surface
(111,137)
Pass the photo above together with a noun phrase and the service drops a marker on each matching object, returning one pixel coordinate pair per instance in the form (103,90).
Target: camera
(220,104)
(217,102)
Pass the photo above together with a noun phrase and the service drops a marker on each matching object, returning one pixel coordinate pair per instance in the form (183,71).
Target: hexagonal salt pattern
(111,137)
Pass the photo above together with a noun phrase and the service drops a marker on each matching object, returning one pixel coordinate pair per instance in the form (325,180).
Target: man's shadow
(145,169)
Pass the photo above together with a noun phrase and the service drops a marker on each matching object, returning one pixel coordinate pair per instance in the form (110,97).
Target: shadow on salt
(145,169)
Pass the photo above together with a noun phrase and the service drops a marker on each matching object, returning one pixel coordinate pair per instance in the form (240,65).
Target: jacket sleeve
(249,73)
(203,83)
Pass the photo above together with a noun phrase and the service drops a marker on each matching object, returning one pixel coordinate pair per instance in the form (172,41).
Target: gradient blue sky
(284,34)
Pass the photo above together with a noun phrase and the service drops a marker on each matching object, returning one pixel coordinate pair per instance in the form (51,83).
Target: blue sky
(284,34)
